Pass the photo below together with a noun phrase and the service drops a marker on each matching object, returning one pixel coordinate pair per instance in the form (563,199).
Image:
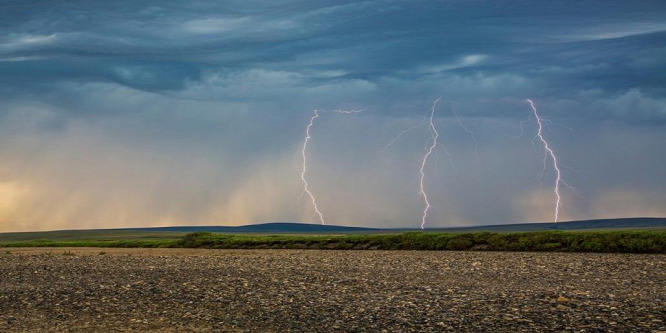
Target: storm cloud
(141,113)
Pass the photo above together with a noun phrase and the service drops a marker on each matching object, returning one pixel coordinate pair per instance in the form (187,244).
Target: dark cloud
(156,46)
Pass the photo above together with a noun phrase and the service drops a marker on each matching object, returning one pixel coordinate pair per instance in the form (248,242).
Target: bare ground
(179,290)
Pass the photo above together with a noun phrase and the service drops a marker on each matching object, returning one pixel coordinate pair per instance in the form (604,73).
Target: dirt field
(177,290)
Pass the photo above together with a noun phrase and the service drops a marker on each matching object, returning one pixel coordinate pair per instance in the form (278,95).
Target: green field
(624,241)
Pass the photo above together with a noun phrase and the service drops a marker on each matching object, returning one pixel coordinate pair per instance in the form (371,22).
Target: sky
(153,113)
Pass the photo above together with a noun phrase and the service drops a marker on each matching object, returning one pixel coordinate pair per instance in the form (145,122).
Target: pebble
(177,290)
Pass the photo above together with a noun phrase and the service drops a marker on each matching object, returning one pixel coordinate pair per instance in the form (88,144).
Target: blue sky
(144,113)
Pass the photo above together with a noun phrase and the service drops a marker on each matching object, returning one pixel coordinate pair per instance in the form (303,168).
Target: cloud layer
(145,113)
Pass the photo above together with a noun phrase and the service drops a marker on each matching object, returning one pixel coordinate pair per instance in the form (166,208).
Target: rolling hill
(305,228)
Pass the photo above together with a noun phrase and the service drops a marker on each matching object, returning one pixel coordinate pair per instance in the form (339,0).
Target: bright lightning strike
(434,135)
(548,151)
(306,188)
(304,170)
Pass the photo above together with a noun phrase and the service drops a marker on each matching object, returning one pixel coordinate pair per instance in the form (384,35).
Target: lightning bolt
(434,135)
(347,111)
(403,132)
(304,170)
(548,151)
(306,188)
(471,134)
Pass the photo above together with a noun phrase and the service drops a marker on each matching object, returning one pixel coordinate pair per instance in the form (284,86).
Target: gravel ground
(180,290)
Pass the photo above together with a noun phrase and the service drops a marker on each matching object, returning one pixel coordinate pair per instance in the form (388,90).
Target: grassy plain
(618,241)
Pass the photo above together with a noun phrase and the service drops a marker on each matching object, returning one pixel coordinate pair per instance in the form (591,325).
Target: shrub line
(652,241)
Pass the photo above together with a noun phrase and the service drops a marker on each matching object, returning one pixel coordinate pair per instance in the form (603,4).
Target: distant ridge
(273,227)
(293,227)
(618,223)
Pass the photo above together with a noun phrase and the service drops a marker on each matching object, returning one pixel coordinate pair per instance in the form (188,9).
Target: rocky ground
(177,290)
